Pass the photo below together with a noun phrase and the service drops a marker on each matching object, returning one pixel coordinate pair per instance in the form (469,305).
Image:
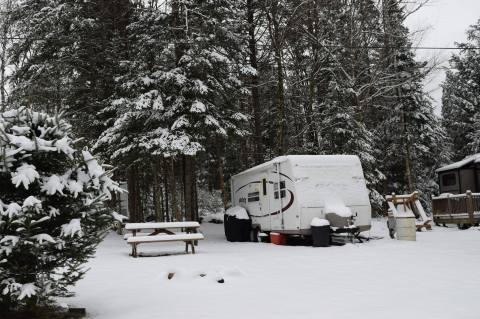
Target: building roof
(308,160)
(475,158)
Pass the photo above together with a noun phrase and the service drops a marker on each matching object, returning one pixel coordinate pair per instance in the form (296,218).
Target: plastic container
(406,228)
(320,232)
(278,239)
(237,230)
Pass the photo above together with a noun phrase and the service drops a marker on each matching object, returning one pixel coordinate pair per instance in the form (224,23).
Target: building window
(449,179)
(283,192)
(254,197)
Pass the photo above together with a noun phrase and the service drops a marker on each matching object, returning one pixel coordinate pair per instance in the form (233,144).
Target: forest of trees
(181,94)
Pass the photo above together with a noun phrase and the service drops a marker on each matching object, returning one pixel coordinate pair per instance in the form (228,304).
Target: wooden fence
(456,209)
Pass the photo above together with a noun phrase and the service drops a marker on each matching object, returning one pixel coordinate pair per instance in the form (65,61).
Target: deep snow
(435,277)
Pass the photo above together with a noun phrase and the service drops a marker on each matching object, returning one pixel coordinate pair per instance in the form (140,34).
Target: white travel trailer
(286,193)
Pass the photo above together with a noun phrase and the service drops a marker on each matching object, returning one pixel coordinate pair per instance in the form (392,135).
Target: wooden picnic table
(162,232)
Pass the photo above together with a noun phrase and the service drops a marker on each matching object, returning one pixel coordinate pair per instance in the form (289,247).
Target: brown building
(461,176)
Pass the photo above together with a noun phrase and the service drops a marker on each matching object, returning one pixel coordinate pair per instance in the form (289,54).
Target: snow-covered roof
(309,160)
(467,160)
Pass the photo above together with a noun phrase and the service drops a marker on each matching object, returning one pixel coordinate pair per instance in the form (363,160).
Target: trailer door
(276,198)
(265,191)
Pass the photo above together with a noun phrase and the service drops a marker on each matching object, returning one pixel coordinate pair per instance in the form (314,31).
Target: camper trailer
(286,193)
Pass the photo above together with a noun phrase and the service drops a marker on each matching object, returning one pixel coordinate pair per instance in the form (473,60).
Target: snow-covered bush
(52,214)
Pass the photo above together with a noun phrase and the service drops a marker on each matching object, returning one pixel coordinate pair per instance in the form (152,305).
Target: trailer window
(282,189)
(449,179)
(254,197)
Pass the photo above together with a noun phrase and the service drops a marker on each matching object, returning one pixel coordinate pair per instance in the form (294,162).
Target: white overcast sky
(444,22)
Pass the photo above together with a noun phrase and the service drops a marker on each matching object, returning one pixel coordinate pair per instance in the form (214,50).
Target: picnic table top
(165,225)
(157,238)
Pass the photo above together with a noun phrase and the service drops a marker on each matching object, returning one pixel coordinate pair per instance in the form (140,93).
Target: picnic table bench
(162,232)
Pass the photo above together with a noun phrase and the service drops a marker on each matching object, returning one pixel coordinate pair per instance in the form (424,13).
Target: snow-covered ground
(438,276)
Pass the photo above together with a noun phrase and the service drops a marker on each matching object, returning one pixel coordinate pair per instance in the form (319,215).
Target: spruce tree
(52,208)
(408,133)
(176,91)
(66,58)
(460,102)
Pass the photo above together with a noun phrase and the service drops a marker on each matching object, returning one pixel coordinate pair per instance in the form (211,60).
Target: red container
(278,239)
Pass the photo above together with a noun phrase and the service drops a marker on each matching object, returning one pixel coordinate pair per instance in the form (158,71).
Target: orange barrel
(278,239)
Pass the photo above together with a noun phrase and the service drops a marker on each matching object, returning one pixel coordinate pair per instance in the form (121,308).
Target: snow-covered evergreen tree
(66,57)
(460,101)
(176,91)
(343,127)
(408,134)
(52,212)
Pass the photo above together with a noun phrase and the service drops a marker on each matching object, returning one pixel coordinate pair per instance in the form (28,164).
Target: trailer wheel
(254,235)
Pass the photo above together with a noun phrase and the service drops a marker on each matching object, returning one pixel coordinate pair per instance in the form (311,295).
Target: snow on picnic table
(435,277)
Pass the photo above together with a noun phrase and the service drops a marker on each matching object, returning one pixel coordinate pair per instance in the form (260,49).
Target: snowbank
(256,275)
(216,218)
(317,222)
(238,212)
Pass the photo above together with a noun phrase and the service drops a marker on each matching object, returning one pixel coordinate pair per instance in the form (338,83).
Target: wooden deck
(461,209)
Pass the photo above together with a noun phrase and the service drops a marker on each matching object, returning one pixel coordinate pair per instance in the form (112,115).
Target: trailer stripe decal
(259,182)
(256,182)
(289,204)
(275,172)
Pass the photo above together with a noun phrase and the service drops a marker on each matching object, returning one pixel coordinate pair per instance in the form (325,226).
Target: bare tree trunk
(165,186)
(280,102)
(220,173)
(157,192)
(221,182)
(176,212)
(257,112)
(6,25)
(134,197)
(313,30)
(277,44)
(189,187)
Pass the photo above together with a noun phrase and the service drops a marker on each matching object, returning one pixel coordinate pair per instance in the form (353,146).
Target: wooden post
(449,204)
(470,207)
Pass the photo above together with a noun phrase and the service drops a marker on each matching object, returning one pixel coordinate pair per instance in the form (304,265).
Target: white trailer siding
(286,193)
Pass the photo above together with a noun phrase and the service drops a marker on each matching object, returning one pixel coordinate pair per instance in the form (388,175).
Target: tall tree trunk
(220,173)
(189,186)
(276,38)
(134,196)
(157,192)
(280,101)
(177,29)
(312,29)
(6,25)
(255,98)
(176,212)
(167,215)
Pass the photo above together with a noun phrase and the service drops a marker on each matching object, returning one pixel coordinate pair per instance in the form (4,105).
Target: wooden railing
(456,209)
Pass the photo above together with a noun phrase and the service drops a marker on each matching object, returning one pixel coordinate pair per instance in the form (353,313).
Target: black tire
(254,235)
(265,239)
